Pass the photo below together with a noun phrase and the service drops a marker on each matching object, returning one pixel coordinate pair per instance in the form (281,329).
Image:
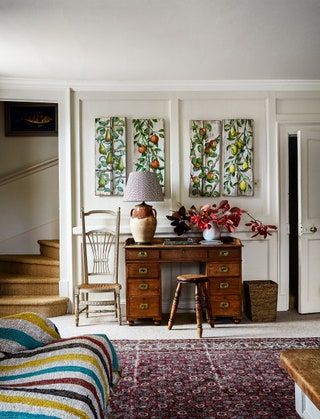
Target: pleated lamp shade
(142,186)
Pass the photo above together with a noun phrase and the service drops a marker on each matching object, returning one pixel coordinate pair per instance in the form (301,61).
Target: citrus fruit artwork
(205,139)
(110,155)
(237,136)
(149,141)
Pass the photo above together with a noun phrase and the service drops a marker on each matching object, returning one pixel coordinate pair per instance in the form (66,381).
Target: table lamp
(143,186)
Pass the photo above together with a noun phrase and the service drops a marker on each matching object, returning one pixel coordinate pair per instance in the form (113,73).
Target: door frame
(61,96)
(284,129)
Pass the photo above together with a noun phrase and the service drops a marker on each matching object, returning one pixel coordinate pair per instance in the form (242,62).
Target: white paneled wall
(278,108)
(177,109)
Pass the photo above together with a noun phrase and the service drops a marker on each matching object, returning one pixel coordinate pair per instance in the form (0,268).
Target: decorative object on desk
(238,157)
(149,139)
(212,232)
(173,242)
(143,186)
(221,215)
(110,137)
(205,139)
(31,119)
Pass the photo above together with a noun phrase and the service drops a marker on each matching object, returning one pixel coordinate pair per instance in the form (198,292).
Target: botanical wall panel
(238,157)
(149,143)
(110,135)
(205,158)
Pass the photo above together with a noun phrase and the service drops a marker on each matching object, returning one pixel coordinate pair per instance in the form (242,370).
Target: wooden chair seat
(99,287)
(192,278)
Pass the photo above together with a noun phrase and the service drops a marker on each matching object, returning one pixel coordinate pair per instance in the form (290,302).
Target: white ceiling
(135,40)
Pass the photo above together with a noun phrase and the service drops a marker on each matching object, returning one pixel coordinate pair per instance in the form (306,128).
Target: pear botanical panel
(149,141)
(238,157)
(110,137)
(205,158)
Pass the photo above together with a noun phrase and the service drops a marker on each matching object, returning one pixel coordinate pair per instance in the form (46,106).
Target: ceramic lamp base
(143,229)
(143,223)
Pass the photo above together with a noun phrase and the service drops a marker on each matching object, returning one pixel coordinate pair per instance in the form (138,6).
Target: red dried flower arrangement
(222,214)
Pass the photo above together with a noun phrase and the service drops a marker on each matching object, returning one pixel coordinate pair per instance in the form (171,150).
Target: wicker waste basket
(260,299)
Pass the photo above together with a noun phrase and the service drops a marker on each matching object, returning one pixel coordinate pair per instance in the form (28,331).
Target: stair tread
(31,259)
(51,243)
(31,300)
(21,278)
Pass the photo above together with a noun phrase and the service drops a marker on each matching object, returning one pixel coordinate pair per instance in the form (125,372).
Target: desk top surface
(161,243)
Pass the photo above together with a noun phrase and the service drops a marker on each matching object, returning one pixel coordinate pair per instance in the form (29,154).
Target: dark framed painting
(30,119)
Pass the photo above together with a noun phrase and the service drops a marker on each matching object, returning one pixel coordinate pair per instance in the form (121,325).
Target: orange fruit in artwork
(142,149)
(154,139)
(155,164)
(210,176)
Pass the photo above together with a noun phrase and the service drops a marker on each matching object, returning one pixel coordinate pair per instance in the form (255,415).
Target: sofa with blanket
(44,376)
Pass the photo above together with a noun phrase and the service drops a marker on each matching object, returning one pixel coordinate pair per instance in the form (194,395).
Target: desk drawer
(142,287)
(225,253)
(184,254)
(226,305)
(224,286)
(140,307)
(142,270)
(224,269)
(142,254)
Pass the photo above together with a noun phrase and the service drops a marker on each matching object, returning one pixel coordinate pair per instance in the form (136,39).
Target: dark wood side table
(221,263)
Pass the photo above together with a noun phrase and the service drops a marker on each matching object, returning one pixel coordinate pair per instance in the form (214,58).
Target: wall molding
(163,85)
(20,174)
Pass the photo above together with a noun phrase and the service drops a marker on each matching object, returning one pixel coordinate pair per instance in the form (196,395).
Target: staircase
(31,282)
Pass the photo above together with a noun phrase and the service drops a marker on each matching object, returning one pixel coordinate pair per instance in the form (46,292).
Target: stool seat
(192,278)
(201,297)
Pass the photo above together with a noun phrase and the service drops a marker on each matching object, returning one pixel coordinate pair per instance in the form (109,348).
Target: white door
(309,221)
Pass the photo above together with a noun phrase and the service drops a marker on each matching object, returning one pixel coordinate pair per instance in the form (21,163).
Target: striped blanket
(67,378)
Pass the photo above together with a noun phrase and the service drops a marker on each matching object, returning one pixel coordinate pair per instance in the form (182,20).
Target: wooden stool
(201,295)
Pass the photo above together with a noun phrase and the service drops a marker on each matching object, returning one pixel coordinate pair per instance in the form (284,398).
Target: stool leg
(208,307)
(174,305)
(198,309)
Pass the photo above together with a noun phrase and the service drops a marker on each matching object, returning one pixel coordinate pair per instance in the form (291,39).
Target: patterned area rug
(205,378)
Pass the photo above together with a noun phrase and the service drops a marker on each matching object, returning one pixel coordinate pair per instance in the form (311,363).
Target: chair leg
(174,306)
(86,297)
(77,308)
(119,309)
(198,309)
(208,307)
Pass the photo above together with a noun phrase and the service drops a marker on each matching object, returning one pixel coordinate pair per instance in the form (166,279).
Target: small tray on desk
(189,240)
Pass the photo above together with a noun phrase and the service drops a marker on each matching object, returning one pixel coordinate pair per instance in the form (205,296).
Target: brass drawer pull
(224,253)
(142,254)
(224,268)
(144,306)
(143,270)
(224,285)
(143,286)
(224,304)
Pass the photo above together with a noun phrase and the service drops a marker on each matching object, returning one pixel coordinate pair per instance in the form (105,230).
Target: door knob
(313,229)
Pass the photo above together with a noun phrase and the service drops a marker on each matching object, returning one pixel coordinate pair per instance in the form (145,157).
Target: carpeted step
(49,306)
(50,248)
(17,284)
(29,265)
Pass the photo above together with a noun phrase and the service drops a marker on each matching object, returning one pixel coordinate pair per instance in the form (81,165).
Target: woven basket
(261,299)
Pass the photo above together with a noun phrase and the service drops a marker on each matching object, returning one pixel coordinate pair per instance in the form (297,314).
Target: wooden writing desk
(222,264)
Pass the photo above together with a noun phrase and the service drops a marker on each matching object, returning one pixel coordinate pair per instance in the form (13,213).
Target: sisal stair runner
(31,282)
